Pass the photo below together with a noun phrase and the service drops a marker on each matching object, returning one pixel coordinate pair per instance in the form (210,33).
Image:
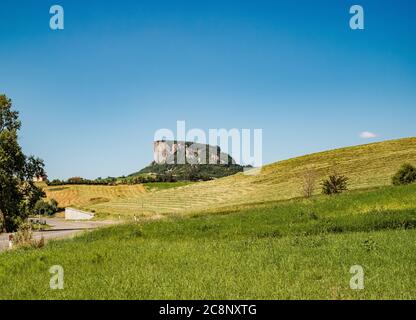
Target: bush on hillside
(334,184)
(405,175)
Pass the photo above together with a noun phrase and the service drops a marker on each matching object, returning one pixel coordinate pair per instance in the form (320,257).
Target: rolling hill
(366,166)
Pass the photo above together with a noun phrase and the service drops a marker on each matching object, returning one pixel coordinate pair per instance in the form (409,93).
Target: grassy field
(367,166)
(283,250)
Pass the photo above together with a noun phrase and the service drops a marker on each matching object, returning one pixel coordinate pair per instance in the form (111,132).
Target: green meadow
(296,249)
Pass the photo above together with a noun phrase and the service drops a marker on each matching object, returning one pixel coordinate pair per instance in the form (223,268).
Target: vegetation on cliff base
(189,172)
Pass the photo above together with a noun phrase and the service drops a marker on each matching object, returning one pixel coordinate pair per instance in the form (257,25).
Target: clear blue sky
(92,96)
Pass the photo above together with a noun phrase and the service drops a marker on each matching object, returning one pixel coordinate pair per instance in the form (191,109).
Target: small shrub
(405,175)
(23,235)
(38,244)
(23,238)
(46,208)
(334,184)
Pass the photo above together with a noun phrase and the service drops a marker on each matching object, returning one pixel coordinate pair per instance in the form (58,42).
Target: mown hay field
(85,195)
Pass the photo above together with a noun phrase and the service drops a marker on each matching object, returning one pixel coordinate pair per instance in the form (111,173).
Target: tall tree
(18,193)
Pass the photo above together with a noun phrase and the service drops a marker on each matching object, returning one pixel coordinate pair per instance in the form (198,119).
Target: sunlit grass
(285,250)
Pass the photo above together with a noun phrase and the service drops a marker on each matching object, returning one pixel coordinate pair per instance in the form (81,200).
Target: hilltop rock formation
(180,152)
(187,161)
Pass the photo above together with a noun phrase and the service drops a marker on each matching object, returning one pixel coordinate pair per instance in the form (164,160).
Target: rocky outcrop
(180,152)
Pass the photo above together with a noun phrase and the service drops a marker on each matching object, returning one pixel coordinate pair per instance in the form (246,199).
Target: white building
(75,214)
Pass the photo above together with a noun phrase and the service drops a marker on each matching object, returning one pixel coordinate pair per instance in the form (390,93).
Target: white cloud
(367,135)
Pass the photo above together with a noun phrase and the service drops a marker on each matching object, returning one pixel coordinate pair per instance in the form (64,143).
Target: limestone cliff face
(179,152)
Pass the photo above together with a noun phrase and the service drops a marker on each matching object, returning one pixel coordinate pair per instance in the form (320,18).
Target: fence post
(10,241)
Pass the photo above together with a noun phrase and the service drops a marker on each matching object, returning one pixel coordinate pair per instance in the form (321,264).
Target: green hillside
(367,166)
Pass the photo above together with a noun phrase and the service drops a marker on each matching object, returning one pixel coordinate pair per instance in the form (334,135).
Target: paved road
(60,228)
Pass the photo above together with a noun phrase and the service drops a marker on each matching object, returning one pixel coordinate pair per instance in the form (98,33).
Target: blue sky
(91,96)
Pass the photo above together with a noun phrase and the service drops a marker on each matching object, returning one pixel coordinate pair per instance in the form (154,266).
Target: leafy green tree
(18,193)
(405,175)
